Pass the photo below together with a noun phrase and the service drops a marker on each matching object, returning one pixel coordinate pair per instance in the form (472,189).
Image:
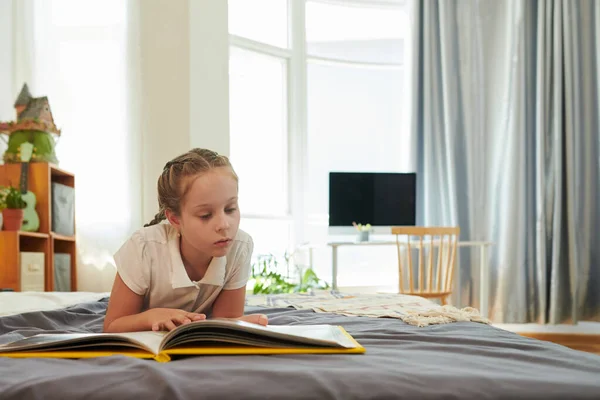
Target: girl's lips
(223,243)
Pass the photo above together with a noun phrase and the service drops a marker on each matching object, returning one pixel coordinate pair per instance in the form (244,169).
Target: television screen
(377,198)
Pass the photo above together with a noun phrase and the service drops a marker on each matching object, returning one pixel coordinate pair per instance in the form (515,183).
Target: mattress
(463,360)
(12,303)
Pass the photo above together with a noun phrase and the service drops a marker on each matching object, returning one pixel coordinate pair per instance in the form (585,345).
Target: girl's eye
(230,210)
(206,216)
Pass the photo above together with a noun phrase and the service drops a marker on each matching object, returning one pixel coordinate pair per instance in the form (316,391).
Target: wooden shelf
(41,179)
(58,175)
(27,234)
(57,236)
(56,171)
(12,243)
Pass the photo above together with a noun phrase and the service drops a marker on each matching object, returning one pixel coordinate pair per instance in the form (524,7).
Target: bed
(463,360)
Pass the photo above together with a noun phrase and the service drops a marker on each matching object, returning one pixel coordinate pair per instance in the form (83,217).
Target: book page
(319,335)
(318,332)
(149,341)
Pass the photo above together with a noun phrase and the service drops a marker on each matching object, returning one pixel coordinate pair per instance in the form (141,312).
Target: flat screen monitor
(382,199)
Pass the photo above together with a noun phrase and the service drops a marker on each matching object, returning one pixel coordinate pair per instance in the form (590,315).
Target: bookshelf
(41,177)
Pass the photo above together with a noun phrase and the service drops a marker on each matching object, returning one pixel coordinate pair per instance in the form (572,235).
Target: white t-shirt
(150,265)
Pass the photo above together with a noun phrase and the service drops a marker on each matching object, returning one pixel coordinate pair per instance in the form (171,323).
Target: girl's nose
(222,223)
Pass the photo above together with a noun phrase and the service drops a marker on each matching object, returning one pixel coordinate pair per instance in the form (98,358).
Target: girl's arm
(123,313)
(230,304)
(124,306)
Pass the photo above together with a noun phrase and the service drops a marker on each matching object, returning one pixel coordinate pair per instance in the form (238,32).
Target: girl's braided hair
(172,187)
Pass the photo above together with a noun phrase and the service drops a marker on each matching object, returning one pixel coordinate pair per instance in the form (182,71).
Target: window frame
(267,50)
(297,61)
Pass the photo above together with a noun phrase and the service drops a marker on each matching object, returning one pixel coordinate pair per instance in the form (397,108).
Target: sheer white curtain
(83,57)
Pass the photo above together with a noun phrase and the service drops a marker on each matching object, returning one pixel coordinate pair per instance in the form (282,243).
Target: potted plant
(363,231)
(12,213)
(266,278)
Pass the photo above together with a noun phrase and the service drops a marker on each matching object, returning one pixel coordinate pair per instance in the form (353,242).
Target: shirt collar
(215,273)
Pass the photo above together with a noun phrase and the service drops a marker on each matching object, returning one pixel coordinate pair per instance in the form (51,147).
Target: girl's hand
(259,319)
(169,318)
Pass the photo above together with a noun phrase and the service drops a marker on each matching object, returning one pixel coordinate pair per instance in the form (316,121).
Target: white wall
(209,75)
(183,83)
(164,89)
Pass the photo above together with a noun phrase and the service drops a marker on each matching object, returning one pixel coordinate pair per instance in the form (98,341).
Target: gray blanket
(460,360)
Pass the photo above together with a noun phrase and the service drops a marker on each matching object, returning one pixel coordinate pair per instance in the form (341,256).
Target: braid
(160,216)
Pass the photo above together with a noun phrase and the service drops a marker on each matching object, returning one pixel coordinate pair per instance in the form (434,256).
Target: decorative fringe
(413,310)
(445,315)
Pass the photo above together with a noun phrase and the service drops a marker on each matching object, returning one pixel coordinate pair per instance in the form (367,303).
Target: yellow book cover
(209,337)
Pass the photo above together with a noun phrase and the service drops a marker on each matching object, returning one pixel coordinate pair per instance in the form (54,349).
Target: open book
(213,336)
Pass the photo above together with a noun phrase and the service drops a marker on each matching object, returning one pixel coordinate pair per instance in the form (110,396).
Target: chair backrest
(435,276)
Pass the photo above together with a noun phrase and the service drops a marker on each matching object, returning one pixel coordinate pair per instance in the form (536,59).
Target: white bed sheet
(21,302)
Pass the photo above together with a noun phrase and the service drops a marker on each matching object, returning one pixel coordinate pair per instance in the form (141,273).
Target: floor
(584,336)
(580,328)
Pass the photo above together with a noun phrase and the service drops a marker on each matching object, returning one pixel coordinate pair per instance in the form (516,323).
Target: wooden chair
(435,278)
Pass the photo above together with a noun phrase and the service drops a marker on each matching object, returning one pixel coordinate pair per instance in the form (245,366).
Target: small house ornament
(34,124)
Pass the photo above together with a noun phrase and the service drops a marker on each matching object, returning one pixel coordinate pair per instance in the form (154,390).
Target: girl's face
(210,217)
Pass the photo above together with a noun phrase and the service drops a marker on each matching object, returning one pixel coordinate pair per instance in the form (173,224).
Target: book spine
(162,357)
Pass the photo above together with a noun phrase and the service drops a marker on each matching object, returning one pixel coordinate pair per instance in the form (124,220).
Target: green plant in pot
(12,209)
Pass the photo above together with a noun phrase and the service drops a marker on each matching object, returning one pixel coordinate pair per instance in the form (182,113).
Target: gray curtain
(506,118)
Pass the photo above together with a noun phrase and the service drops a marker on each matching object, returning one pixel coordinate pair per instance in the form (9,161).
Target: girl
(199,263)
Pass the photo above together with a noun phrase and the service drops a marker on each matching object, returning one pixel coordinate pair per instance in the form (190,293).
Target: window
(352,113)
(82,69)
(258,128)
(264,21)
(81,64)
(259,124)
(341,72)
(371,34)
